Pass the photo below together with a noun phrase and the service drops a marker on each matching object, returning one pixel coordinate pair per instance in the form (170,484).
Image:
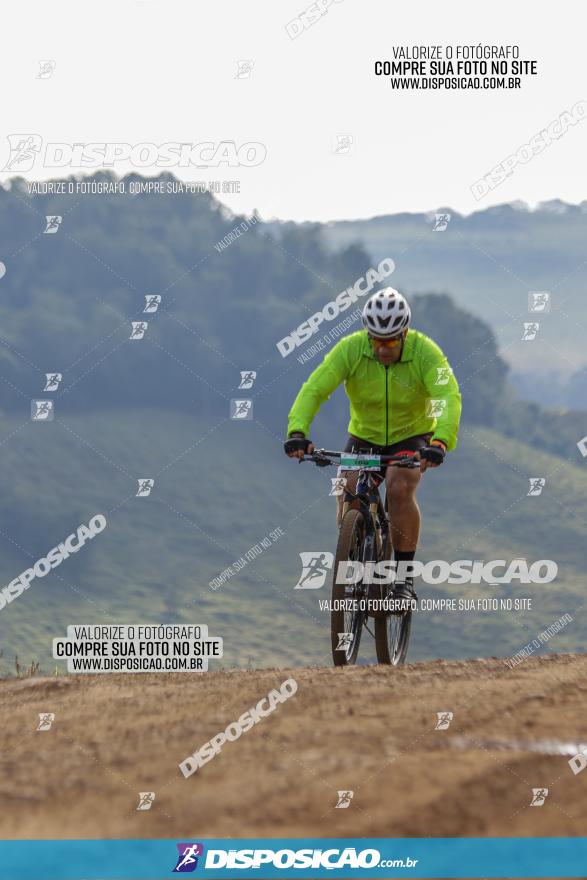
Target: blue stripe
(441,857)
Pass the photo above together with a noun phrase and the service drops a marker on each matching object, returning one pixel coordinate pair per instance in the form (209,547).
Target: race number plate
(355,461)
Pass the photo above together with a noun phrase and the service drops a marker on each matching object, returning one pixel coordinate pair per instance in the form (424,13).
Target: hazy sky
(155,71)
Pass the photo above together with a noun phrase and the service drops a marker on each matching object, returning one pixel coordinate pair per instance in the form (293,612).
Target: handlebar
(322,458)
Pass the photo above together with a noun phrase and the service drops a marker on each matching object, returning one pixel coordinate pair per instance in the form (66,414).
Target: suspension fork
(368,496)
(375,507)
(349,497)
(374,510)
(368,493)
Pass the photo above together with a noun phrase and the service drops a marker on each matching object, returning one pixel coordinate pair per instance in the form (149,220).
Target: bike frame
(373,510)
(367,493)
(391,638)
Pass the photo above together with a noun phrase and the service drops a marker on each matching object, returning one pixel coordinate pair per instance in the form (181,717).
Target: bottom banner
(293,857)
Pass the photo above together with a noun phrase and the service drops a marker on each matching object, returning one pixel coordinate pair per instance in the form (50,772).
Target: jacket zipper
(386,405)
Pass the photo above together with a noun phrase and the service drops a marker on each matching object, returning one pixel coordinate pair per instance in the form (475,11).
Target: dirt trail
(369,729)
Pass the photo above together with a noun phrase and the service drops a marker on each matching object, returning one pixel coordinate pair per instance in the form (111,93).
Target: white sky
(158,71)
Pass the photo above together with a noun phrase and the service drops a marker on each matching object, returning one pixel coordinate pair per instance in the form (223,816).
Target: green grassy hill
(221,487)
(128,410)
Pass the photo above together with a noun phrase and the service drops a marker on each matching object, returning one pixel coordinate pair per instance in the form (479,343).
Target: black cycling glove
(297,443)
(434,454)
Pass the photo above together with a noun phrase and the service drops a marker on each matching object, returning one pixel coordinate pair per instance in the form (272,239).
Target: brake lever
(318,460)
(407,462)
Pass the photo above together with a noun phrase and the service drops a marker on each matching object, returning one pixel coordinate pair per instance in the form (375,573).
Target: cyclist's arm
(317,388)
(434,365)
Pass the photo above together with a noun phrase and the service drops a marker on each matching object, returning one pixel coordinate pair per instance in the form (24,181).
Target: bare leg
(404,512)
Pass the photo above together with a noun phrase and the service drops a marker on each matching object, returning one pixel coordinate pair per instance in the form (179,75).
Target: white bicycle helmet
(386,313)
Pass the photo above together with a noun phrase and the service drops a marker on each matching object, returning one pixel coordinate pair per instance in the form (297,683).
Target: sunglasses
(387,343)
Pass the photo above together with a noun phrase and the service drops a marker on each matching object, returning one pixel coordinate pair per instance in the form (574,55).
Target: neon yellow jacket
(417,395)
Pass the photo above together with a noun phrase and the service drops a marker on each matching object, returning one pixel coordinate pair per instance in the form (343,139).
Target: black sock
(404,555)
(403,571)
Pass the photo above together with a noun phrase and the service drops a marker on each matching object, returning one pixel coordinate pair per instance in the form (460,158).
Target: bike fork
(373,510)
(340,516)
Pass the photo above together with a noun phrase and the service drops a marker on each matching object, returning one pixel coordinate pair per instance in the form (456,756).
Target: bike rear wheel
(347,625)
(392,636)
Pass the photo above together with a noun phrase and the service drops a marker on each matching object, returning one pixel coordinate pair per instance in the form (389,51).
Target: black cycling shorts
(410,444)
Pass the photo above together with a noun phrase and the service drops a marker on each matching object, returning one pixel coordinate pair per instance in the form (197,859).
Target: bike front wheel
(392,635)
(347,614)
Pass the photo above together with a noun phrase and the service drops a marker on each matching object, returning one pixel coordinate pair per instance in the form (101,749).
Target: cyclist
(403,398)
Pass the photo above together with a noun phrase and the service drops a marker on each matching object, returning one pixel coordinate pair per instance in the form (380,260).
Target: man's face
(388,351)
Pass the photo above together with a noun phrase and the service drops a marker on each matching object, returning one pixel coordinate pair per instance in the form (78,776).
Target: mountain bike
(364,537)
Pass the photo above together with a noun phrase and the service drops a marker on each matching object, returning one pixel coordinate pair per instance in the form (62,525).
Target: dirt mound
(370,730)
